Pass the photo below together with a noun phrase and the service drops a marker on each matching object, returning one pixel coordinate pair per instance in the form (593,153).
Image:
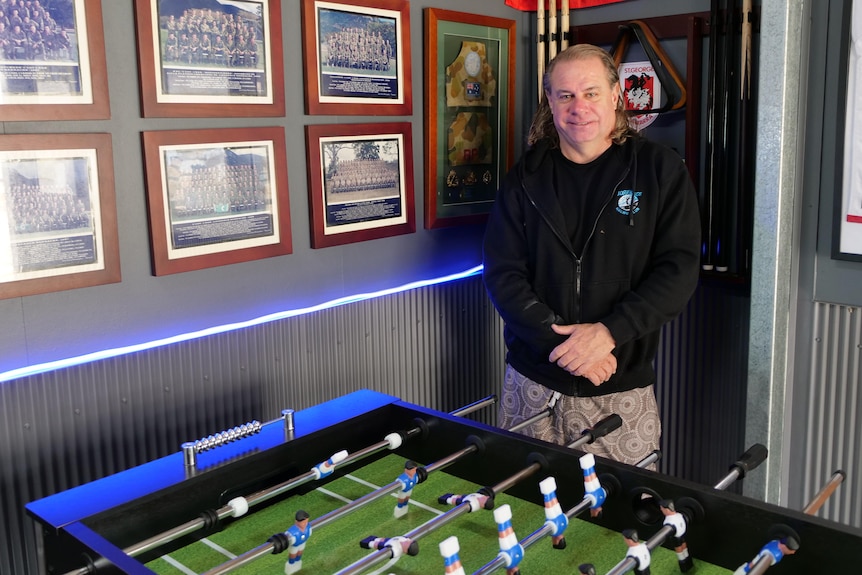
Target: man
(591,246)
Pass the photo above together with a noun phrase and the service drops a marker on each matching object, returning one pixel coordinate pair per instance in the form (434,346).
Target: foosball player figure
(398,545)
(482,499)
(510,550)
(298,533)
(637,551)
(773,552)
(449,549)
(326,468)
(593,489)
(586,569)
(554,516)
(408,481)
(677,522)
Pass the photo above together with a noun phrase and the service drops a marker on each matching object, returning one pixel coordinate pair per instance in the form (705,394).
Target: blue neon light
(108,353)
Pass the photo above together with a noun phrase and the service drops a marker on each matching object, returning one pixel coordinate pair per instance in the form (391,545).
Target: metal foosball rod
(475,406)
(544,414)
(675,522)
(483,499)
(787,541)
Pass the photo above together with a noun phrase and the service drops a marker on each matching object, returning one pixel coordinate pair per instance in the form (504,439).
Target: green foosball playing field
(335,546)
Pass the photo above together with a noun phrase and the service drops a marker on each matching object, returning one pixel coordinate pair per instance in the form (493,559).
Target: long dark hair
(543,127)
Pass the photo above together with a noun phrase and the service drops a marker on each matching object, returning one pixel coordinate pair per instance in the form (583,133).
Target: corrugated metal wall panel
(701,367)
(834,403)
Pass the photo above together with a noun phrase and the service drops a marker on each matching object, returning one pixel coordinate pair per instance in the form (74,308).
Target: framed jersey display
(210,58)
(52,63)
(357,57)
(469,114)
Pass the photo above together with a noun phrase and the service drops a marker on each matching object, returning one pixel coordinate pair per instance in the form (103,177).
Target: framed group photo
(360,182)
(52,64)
(356,56)
(469,114)
(210,58)
(216,197)
(58,214)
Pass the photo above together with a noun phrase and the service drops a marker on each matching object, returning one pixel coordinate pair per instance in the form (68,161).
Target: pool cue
(764,561)
(268,547)
(552,29)
(744,180)
(472,502)
(709,201)
(540,45)
(814,506)
(564,25)
(753,457)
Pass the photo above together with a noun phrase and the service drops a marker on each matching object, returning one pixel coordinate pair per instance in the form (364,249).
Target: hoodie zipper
(565,240)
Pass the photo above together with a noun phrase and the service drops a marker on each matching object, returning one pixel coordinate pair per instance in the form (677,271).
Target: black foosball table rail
(86,529)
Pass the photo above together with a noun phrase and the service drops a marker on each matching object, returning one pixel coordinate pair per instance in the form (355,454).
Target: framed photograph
(216,197)
(360,182)
(469,114)
(847,182)
(357,57)
(58,213)
(52,62)
(210,58)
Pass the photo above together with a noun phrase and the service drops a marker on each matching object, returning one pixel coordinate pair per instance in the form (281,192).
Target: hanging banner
(641,91)
(532,5)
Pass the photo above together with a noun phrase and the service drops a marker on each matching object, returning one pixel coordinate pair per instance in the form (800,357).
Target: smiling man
(591,246)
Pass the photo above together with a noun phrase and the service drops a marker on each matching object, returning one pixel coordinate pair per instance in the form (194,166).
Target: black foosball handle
(754,456)
(602,428)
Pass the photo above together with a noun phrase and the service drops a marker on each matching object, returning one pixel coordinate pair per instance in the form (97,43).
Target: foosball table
(298,493)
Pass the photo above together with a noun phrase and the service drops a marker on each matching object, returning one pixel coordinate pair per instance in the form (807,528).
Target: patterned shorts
(636,439)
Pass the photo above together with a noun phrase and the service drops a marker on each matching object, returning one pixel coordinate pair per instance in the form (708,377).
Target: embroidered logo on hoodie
(628,201)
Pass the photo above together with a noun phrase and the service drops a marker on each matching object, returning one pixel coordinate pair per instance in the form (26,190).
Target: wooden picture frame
(469,114)
(238,73)
(360,182)
(338,82)
(216,197)
(63,76)
(60,213)
(847,183)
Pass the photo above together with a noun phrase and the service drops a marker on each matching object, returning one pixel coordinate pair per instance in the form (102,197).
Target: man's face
(583,104)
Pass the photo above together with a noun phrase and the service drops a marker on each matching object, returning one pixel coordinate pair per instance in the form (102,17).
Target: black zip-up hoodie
(639,266)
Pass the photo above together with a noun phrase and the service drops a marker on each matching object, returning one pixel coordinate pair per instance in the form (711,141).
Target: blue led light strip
(108,353)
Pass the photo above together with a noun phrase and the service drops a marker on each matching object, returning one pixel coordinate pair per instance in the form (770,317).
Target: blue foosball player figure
(298,533)
(772,552)
(408,481)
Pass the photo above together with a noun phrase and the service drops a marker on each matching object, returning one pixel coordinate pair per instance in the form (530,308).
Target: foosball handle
(754,456)
(603,427)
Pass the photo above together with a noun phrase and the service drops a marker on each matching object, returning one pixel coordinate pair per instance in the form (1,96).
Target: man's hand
(600,372)
(586,352)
